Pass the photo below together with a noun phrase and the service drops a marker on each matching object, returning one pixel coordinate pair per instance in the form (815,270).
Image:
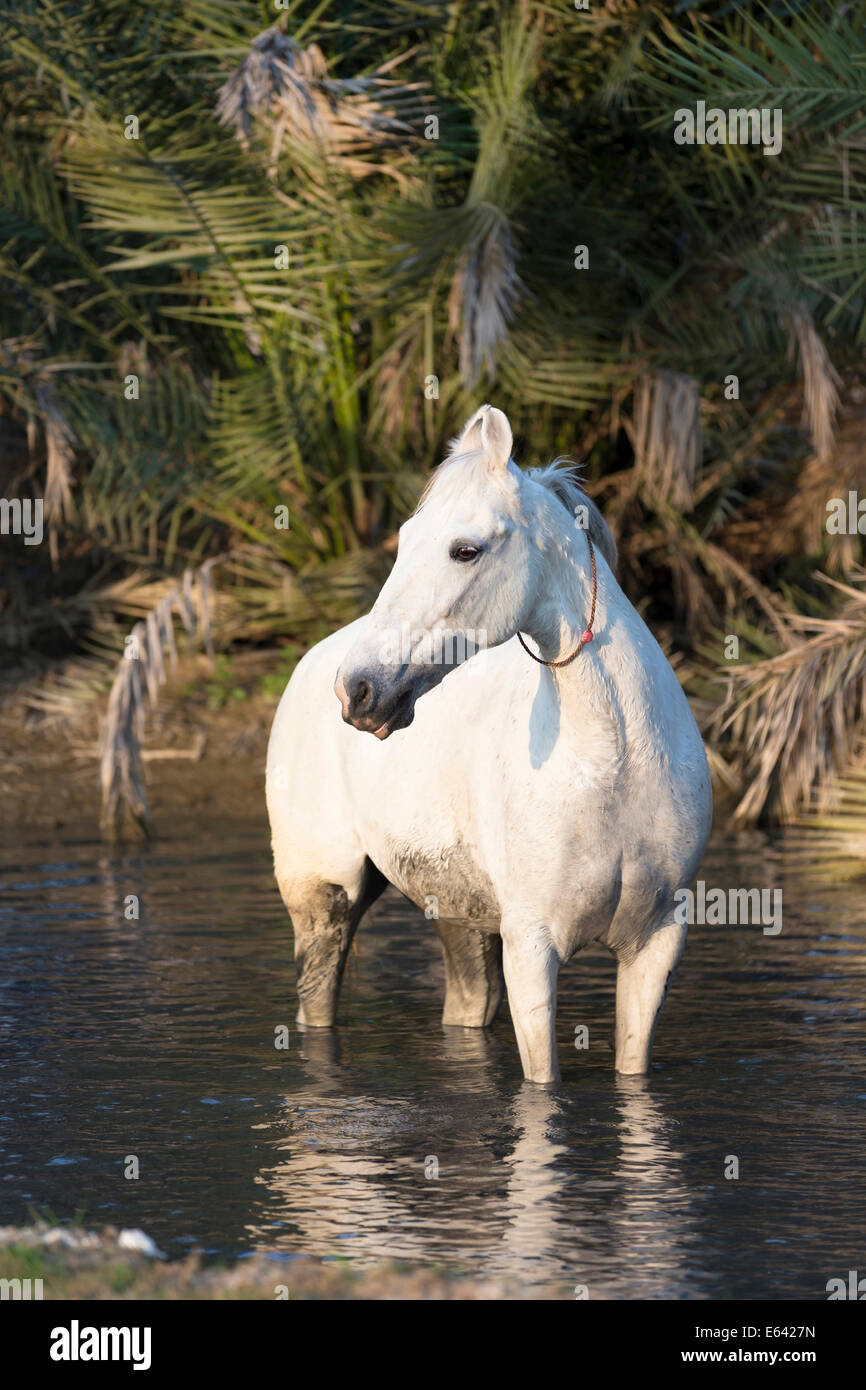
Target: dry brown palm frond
(60,692)
(672,541)
(693,596)
(288,88)
(60,455)
(795,719)
(484,294)
(277,70)
(93,609)
(823,479)
(665,433)
(135,689)
(485,287)
(821,381)
(736,580)
(721,772)
(38,399)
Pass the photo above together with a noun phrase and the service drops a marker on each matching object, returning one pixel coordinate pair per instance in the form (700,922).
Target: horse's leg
(642,982)
(531,969)
(473,975)
(325,917)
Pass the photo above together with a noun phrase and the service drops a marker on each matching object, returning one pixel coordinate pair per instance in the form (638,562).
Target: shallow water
(156,1038)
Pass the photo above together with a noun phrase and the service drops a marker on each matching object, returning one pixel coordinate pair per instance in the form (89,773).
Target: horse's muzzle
(366,707)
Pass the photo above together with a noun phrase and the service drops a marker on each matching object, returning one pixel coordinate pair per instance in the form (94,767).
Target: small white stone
(57,1236)
(137,1240)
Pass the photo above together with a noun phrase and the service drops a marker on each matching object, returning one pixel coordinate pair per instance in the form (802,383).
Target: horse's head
(457,583)
(469,566)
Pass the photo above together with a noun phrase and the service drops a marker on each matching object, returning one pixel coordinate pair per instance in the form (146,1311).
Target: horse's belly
(445,883)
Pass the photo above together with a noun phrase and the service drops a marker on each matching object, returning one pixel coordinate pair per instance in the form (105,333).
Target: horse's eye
(465,553)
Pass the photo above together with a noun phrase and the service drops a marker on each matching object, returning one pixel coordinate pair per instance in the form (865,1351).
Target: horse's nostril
(361,695)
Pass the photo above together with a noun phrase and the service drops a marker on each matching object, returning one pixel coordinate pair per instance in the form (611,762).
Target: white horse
(528,807)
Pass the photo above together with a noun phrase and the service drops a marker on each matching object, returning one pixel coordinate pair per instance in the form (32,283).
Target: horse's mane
(562,478)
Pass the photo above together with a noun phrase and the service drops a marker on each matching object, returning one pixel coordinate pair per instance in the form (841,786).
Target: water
(155,1038)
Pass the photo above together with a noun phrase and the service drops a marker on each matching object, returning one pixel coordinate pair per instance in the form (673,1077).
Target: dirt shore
(203,752)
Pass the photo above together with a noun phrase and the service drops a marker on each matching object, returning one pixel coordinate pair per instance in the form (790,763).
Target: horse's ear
(489,431)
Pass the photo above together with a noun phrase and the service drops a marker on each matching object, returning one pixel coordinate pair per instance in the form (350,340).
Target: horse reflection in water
(517,1207)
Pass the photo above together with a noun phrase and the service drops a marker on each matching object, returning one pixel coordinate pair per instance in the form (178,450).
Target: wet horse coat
(527,809)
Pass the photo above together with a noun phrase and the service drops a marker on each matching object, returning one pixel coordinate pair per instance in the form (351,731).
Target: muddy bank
(203,752)
(112,1265)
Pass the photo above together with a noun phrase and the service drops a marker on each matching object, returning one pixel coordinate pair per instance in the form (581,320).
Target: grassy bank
(74,1263)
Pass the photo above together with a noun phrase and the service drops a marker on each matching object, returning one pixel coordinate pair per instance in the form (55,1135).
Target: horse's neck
(607,682)
(563,602)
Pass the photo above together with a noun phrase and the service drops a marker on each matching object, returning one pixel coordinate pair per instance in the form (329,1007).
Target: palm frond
(140,673)
(795,718)
(666,436)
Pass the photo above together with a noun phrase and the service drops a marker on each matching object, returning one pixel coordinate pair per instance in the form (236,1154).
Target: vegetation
(258,264)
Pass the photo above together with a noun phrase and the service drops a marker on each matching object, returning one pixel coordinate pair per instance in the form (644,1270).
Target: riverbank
(203,752)
(110,1265)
